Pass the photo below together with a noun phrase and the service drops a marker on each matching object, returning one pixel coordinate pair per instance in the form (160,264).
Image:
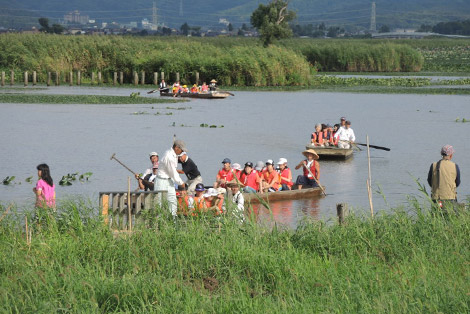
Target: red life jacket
(227,175)
(312,169)
(250,179)
(285,173)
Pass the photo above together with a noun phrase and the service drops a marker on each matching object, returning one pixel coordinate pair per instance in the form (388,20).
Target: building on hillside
(76,18)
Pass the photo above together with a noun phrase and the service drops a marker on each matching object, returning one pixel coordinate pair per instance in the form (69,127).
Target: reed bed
(230,64)
(407,261)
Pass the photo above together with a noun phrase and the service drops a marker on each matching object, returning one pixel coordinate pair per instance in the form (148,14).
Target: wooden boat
(209,95)
(283,195)
(331,152)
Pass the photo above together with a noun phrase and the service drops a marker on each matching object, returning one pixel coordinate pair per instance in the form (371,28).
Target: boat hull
(254,198)
(210,95)
(331,152)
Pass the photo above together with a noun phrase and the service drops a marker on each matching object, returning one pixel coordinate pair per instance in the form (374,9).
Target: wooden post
(3,78)
(142,79)
(34,78)
(70,78)
(49,78)
(162,75)
(177,76)
(105,208)
(369,180)
(57,79)
(92,78)
(99,78)
(342,211)
(79,77)
(26,78)
(197,78)
(155,78)
(121,78)
(12,78)
(136,78)
(129,204)
(114,78)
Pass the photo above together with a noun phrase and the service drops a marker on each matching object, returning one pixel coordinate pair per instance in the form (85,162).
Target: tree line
(448,28)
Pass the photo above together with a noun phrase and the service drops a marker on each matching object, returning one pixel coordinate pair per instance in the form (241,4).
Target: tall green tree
(272,21)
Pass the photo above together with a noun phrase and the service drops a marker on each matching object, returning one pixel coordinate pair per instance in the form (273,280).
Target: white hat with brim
(153,154)
(213,81)
(310,151)
(282,161)
(211,192)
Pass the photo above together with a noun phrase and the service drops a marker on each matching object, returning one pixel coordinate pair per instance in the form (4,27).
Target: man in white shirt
(168,175)
(345,136)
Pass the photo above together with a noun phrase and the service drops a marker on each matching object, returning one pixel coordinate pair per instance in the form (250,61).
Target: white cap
(153,154)
(270,161)
(211,192)
(236,166)
(282,161)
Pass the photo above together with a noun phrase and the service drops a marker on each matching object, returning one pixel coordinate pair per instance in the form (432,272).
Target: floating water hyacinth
(8,180)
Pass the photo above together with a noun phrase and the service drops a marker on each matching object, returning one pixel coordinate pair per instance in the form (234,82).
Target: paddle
(222,91)
(318,182)
(113,157)
(374,146)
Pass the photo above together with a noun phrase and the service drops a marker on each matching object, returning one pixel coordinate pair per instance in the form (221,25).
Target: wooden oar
(374,146)
(318,182)
(222,91)
(113,157)
(153,91)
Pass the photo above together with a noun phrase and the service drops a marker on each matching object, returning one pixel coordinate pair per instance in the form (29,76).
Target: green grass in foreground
(396,263)
(82,99)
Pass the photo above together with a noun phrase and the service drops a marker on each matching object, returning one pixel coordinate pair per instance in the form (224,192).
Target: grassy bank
(82,99)
(397,263)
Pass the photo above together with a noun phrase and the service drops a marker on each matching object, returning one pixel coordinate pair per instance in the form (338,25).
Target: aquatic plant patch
(81,99)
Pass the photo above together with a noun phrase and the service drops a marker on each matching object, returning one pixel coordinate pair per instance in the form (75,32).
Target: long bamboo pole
(369,180)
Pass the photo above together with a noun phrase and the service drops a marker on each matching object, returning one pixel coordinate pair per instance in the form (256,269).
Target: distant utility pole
(181,7)
(154,16)
(373,26)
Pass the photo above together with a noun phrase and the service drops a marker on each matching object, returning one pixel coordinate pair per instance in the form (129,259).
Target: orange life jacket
(317,137)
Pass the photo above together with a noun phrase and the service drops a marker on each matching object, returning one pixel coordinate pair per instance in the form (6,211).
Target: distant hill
(345,13)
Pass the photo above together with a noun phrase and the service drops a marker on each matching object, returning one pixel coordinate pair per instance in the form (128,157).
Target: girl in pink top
(45,188)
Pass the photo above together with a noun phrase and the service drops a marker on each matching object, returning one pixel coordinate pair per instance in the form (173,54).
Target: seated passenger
(176,87)
(317,136)
(271,178)
(311,170)
(237,199)
(185,89)
(224,175)
(345,136)
(285,175)
(249,179)
(237,170)
(185,202)
(204,88)
(194,89)
(328,137)
(213,203)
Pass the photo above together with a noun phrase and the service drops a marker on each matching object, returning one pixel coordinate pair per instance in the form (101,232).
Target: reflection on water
(257,126)
(287,213)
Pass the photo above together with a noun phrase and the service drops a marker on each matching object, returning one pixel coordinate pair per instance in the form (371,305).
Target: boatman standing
(444,178)
(163,86)
(345,136)
(191,171)
(168,176)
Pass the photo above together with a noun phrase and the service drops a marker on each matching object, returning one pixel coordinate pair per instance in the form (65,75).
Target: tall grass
(393,264)
(230,64)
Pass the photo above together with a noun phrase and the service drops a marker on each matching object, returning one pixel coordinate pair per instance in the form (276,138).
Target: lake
(256,126)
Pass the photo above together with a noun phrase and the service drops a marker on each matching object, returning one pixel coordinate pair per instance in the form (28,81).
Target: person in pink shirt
(45,188)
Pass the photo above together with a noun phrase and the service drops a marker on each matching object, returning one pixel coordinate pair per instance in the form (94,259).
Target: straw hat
(310,151)
(213,81)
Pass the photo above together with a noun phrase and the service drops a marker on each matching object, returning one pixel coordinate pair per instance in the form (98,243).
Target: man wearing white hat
(168,175)
(149,172)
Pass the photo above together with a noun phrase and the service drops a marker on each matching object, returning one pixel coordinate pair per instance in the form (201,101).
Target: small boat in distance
(208,95)
(331,152)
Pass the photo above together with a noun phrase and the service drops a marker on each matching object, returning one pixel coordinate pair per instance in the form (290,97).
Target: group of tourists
(194,198)
(340,135)
(178,88)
